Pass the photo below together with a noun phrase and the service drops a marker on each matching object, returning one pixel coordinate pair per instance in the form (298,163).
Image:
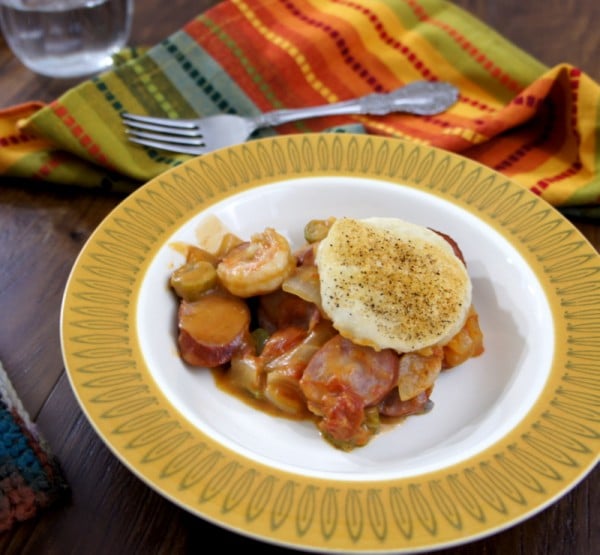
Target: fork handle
(419,97)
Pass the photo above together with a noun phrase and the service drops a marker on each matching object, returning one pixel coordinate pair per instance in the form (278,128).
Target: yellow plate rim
(548,453)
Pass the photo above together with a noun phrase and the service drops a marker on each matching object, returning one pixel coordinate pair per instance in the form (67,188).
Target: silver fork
(199,136)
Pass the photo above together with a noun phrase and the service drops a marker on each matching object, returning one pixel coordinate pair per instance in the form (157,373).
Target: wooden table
(43,229)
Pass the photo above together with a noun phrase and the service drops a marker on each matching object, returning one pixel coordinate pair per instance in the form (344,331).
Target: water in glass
(66,38)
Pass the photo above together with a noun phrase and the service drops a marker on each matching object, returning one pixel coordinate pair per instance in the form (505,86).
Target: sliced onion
(304,283)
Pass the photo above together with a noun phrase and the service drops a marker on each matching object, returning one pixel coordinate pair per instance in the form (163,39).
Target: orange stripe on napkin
(14,141)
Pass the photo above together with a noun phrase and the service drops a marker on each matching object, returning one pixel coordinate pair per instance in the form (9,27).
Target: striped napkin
(535,124)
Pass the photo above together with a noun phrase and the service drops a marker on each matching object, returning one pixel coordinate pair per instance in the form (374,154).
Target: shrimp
(258,266)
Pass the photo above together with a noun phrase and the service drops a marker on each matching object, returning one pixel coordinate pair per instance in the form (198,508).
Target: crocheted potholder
(30,476)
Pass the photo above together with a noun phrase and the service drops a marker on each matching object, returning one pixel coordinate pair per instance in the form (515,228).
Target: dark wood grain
(43,228)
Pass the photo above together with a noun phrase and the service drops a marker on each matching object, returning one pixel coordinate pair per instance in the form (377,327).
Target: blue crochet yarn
(30,477)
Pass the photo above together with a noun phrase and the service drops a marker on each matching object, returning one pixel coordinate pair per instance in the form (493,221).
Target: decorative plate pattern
(548,447)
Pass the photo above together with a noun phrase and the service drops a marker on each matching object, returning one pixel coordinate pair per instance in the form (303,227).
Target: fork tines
(160,133)
(176,127)
(137,120)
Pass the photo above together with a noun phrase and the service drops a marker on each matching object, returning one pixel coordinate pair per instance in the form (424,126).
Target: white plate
(510,430)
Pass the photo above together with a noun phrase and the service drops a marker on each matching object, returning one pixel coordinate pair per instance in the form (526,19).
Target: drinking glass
(66,38)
